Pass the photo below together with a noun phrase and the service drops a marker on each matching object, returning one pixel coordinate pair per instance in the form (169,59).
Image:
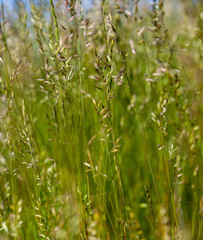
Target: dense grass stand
(101,114)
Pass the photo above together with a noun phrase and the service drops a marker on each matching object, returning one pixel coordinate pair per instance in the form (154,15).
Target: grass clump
(101,120)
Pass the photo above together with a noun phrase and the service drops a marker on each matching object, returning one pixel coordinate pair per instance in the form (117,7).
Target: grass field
(101,120)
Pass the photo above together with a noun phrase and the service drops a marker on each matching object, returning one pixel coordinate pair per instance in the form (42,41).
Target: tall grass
(101,121)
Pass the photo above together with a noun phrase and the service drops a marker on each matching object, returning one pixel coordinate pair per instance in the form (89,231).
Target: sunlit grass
(101,121)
